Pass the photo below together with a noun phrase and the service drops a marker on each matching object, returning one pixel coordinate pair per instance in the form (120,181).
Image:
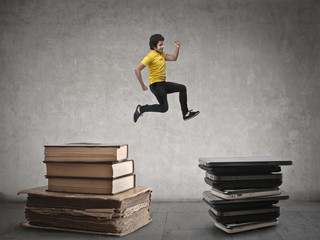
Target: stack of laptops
(244,191)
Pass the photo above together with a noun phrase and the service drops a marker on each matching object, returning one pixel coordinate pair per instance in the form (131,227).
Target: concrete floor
(179,220)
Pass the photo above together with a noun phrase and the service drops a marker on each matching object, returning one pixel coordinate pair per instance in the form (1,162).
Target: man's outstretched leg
(176,87)
(160,92)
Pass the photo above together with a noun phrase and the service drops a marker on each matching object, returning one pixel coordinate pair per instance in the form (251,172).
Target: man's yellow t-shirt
(157,66)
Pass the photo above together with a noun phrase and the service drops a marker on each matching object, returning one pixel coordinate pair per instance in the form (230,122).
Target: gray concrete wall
(251,68)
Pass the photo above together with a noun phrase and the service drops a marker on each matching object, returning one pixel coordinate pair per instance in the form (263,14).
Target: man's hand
(144,88)
(177,43)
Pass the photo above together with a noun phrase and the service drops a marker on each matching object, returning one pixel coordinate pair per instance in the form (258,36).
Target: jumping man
(156,60)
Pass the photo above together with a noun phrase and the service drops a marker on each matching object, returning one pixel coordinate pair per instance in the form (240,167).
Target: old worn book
(118,203)
(91,185)
(71,218)
(90,169)
(117,215)
(135,224)
(85,152)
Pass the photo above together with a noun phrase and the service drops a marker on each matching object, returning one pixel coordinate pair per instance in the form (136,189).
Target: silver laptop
(210,198)
(242,227)
(244,193)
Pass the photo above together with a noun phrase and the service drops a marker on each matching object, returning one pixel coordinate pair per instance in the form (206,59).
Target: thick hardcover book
(245,161)
(117,215)
(91,185)
(86,152)
(134,225)
(90,169)
(118,203)
(72,218)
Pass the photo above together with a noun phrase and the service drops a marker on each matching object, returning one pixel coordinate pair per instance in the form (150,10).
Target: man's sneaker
(190,114)
(137,113)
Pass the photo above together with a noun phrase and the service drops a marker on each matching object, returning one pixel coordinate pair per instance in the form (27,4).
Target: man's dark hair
(154,39)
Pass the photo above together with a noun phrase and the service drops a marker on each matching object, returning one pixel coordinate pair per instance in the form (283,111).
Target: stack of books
(89,168)
(91,188)
(244,191)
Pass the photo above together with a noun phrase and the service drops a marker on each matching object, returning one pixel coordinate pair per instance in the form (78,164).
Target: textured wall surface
(251,68)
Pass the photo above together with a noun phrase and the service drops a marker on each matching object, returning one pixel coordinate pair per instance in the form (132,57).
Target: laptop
(244,177)
(256,210)
(234,170)
(242,227)
(239,184)
(244,161)
(241,205)
(231,194)
(214,200)
(245,218)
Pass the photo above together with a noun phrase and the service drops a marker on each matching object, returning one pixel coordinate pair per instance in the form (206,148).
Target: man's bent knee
(183,88)
(164,108)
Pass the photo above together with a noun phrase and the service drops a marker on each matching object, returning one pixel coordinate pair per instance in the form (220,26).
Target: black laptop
(244,161)
(222,185)
(250,211)
(245,218)
(235,170)
(233,178)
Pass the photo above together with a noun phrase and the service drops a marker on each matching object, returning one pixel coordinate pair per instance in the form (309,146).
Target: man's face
(159,47)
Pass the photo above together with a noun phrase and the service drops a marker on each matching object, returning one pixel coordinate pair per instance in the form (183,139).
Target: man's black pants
(160,90)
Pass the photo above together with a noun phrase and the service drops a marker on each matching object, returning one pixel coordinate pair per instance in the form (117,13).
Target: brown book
(85,152)
(117,215)
(65,219)
(91,185)
(90,169)
(118,203)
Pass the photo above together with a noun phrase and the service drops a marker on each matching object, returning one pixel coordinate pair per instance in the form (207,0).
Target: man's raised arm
(174,57)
